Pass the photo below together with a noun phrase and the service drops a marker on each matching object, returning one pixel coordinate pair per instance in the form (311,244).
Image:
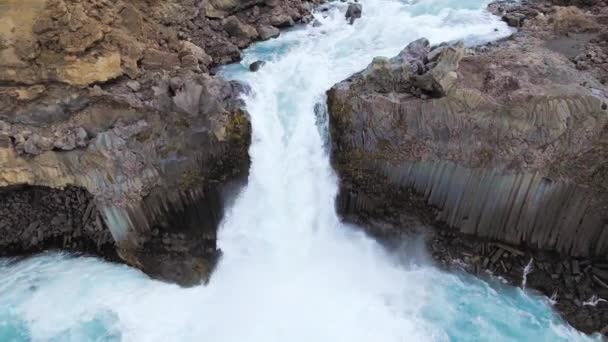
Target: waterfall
(527,269)
(291,270)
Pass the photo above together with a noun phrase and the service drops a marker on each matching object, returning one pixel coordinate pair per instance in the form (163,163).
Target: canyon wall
(507,143)
(497,154)
(115,139)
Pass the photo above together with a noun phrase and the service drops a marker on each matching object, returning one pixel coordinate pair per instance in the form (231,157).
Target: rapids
(291,271)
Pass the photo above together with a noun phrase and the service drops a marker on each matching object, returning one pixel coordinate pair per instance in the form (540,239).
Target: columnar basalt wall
(52,218)
(522,208)
(501,147)
(174,235)
(156,181)
(498,154)
(116,99)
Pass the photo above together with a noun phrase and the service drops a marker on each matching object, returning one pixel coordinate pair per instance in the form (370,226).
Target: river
(291,271)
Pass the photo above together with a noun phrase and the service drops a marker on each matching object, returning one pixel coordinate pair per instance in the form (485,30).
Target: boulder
(514,19)
(266,32)
(442,76)
(220,8)
(255,66)
(188,48)
(282,20)
(353,12)
(237,29)
(408,70)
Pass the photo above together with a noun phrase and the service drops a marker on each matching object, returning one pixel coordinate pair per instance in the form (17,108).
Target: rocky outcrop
(577,286)
(510,146)
(255,66)
(114,138)
(503,149)
(578,33)
(80,42)
(353,12)
(52,218)
(155,161)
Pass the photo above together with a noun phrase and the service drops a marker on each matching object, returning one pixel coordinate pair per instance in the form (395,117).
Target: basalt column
(494,146)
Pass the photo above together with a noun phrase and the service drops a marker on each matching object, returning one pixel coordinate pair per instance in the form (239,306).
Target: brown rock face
(79,42)
(513,148)
(155,161)
(61,41)
(114,139)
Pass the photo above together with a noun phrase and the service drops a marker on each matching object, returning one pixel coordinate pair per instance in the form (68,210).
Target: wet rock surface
(353,12)
(499,149)
(116,99)
(574,284)
(255,66)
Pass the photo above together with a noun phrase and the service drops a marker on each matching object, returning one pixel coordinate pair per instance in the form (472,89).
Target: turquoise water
(58,297)
(291,271)
(42,278)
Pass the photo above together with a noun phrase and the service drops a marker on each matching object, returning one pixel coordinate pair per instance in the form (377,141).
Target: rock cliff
(114,138)
(498,153)
(504,144)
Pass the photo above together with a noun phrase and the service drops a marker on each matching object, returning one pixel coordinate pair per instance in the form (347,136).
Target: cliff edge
(502,148)
(115,139)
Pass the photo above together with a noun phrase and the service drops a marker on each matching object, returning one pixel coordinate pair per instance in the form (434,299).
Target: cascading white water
(290,271)
(527,269)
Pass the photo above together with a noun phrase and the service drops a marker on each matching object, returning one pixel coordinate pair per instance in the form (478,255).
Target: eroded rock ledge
(504,148)
(114,138)
(65,218)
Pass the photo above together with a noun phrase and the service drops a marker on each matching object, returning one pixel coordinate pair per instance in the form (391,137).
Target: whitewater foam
(291,271)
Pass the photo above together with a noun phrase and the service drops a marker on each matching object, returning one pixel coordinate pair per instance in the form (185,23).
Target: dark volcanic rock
(255,66)
(267,32)
(52,218)
(353,12)
(113,101)
(500,151)
(155,161)
(576,292)
(489,152)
